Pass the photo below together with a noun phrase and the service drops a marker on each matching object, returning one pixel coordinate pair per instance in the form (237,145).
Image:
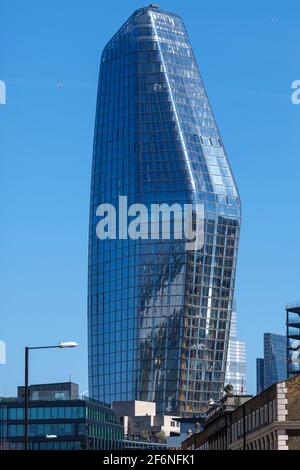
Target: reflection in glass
(159,315)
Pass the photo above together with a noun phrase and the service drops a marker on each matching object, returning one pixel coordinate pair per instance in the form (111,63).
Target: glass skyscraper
(275,359)
(159,314)
(260,374)
(236,359)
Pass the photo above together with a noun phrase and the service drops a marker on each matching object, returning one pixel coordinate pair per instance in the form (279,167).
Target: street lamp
(67,344)
(62,344)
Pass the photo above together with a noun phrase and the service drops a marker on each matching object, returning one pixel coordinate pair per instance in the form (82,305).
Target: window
(12,430)
(249,422)
(61,412)
(270,412)
(33,413)
(266,414)
(274,412)
(261,417)
(59,396)
(48,412)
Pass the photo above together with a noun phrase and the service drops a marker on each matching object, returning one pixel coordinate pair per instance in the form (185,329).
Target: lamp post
(62,344)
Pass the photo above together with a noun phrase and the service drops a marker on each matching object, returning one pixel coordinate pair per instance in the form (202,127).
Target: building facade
(268,421)
(236,360)
(158,312)
(275,359)
(59,424)
(260,374)
(139,418)
(293,338)
(54,391)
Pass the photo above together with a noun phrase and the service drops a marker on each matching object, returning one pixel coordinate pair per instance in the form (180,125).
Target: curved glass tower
(159,314)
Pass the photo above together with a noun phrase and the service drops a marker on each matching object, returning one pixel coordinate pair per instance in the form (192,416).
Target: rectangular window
(270,412)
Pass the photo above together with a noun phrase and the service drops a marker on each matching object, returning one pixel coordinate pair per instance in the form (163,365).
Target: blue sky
(248,54)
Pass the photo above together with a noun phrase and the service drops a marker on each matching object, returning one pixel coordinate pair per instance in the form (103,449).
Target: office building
(275,360)
(158,310)
(139,419)
(54,391)
(260,375)
(59,424)
(236,360)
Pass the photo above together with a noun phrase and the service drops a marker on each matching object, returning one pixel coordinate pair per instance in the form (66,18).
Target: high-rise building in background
(275,359)
(159,314)
(260,374)
(293,338)
(273,366)
(236,359)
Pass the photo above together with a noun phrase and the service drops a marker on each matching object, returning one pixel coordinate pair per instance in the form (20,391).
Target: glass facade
(236,360)
(275,359)
(159,314)
(76,424)
(260,375)
(53,391)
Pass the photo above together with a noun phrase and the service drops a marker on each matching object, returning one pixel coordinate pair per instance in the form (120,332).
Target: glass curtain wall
(159,314)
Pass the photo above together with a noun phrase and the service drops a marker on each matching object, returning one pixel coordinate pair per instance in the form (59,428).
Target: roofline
(151,7)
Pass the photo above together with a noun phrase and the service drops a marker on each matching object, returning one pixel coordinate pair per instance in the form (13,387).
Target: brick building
(268,421)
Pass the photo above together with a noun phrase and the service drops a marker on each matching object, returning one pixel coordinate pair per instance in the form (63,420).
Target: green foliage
(161,437)
(145,436)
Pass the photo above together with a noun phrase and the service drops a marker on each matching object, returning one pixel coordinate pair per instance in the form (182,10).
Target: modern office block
(159,312)
(59,424)
(236,360)
(138,417)
(53,391)
(275,359)
(260,374)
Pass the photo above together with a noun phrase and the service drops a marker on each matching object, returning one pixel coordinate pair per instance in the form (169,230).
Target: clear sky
(248,54)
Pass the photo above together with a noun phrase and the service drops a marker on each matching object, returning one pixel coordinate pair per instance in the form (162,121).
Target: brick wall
(293,406)
(294,439)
